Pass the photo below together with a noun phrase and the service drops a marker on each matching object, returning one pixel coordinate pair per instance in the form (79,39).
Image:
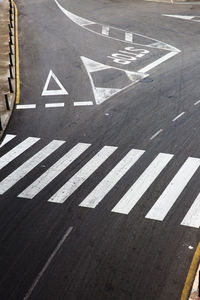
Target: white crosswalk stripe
(192,218)
(30,164)
(111,179)
(130,199)
(15,152)
(109,182)
(54,171)
(73,184)
(7,139)
(174,189)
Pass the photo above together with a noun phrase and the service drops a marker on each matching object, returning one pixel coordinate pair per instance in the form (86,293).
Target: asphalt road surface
(99,169)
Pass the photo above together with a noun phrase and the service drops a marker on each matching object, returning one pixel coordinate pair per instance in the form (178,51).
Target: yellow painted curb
(17,55)
(191,274)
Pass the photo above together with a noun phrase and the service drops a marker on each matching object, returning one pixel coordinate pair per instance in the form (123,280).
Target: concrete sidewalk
(5,51)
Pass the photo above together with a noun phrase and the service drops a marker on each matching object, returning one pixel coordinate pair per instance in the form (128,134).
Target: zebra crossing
(128,201)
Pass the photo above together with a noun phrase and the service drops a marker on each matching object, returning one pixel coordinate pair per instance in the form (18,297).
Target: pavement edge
(17,99)
(15,94)
(191,274)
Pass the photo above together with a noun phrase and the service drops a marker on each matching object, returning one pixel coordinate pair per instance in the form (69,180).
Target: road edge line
(17,100)
(191,274)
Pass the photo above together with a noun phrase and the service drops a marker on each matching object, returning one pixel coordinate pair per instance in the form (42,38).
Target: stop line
(110,181)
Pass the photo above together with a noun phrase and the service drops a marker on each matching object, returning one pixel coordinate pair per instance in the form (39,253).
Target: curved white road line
(153,43)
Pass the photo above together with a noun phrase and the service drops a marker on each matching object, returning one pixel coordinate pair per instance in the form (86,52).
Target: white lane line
(192,218)
(30,164)
(16,151)
(84,173)
(25,106)
(32,190)
(54,105)
(180,17)
(7,139)
(37,279)
(197,102)
(133,195)
(157,62)
(93,199)
(128,37)
(174,189)
(156,134)
(105,30)
(83,103)
(177,117)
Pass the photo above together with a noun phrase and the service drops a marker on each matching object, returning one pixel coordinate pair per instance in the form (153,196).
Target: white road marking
(180,17)
(76,19)
(163,46)
(153,43)
(29,165)
(84,173)
(29,293)
(157,62)
(105,30)
(85,24)
(192,218)
(133,195)
(103,94)
(127,202)
(128,36)
(39,184)
(150,43)
(197,102)
(7,139)
(25,106)
(156,134)
(83,103)
(16,151)
(47,105)
(93,199)
(174,189)
(94,66)
(61,91)
(128,55)
(177,117)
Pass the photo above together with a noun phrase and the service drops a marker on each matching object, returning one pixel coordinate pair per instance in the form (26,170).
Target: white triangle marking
(102,94)
(61,91)
(93,66)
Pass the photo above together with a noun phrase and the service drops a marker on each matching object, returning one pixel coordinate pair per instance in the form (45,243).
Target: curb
(195,295)
(191,284)
(11,89)
(17,56)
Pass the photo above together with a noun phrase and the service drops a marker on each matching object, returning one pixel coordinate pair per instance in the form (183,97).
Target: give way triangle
(116,79)
(61,91)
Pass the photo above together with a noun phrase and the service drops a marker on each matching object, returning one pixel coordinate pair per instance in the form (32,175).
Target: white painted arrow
(61,91)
